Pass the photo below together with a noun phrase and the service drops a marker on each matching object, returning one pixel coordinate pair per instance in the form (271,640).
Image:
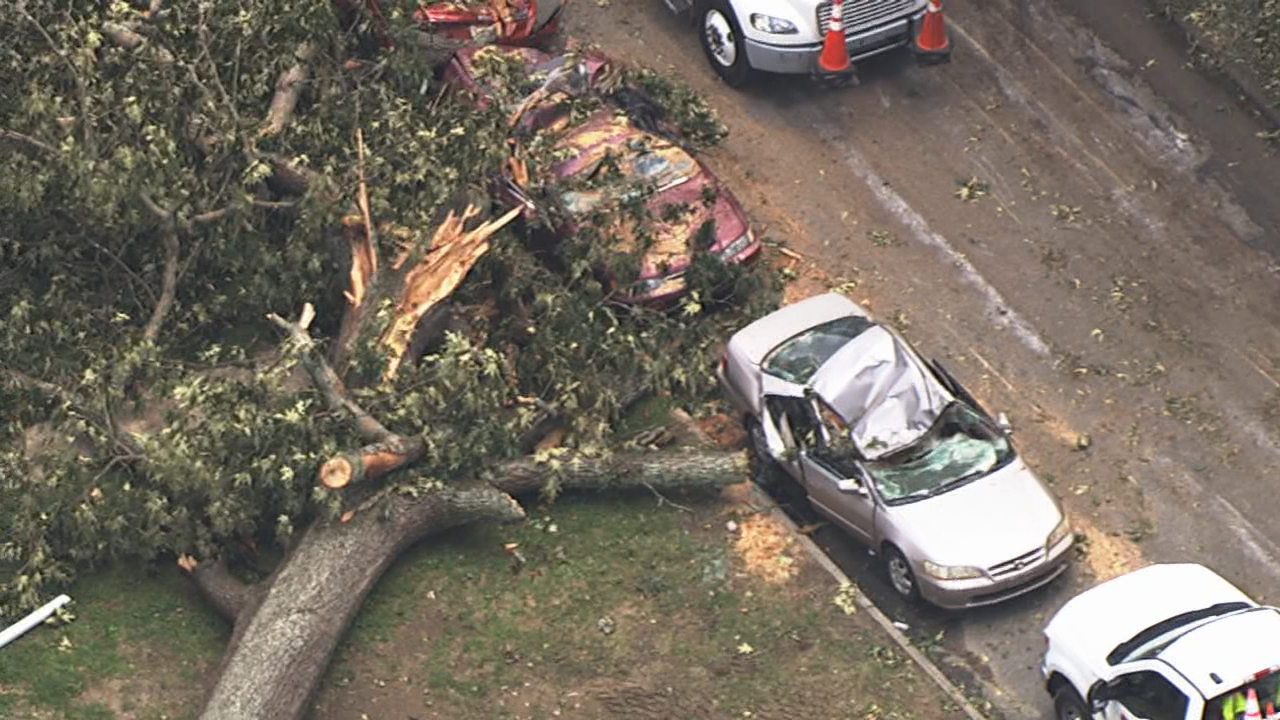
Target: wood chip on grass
(766,549)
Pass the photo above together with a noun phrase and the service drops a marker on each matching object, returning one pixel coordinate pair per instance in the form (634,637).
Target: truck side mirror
(1002,421)
(1099,694)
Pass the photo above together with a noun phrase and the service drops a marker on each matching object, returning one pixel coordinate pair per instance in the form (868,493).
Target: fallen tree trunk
(693,469)
(282,643)
(286,629)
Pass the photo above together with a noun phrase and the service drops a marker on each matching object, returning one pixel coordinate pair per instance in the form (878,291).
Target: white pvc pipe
(18,629)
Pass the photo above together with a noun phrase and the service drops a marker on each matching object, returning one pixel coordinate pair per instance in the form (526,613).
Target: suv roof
(1225,653)
(1097,620)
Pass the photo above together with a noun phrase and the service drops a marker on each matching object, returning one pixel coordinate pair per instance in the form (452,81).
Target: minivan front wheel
(765,471)
(1067,704)
(901,578)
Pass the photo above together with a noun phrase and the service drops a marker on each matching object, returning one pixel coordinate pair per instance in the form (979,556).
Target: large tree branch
(168,272)
(27,140)
(674,469)
(168,287)
(372,461)
(289,90)
(277,653)
(126,443)
(456,246)
(326,380)
(228,596)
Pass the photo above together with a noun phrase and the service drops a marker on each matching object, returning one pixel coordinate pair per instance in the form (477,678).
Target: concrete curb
(1243,80)
(815,552)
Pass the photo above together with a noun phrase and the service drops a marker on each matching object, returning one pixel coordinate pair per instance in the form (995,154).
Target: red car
(466,70)
(502,22)
(507,22)
(608,161)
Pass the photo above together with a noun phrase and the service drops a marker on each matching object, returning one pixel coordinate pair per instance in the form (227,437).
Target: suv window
(1149,695)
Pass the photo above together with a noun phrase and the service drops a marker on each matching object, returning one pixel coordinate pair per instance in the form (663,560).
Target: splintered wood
(436,275)
(364,260)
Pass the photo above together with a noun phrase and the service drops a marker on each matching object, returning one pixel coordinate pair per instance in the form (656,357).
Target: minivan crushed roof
(882,390)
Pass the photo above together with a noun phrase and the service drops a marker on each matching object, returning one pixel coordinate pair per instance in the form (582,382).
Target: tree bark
(280,650)
(228,596)
(668,469)
(287,628)
(288,90)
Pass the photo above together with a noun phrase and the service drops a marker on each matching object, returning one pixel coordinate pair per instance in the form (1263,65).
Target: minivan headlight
(951,572)
(1059,534)
(772,25)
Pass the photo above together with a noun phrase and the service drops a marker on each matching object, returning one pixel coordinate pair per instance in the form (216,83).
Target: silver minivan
(895,451)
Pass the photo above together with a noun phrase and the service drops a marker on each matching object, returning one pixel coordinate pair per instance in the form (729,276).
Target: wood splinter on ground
(795,256)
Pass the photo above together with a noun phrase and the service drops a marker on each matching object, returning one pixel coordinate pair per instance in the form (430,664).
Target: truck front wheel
(722,42)
(1067,704)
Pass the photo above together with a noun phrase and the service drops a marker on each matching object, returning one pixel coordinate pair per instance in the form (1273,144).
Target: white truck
(1167,642)
(785,36)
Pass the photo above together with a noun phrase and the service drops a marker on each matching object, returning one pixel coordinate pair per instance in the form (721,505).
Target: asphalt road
(1116,281)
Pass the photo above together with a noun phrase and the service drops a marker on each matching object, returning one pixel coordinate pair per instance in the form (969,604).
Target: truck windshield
(1231,705)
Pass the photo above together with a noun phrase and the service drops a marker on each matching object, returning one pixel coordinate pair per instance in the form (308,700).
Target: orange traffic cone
(931,43)
(835,54)
(1251,709)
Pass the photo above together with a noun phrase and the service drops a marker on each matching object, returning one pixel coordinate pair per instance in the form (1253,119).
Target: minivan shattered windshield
(962,446)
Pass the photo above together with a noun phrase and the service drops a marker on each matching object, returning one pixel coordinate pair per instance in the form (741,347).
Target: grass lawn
(620,606)
(140,647)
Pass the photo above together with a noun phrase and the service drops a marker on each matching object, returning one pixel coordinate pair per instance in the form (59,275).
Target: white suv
(1167,642)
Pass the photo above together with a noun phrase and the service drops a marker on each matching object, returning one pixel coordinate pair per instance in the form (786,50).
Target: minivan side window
(840,454)
(798,417)
(1149,695)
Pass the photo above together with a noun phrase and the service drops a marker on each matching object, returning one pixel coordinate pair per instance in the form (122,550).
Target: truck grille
(861,14)
(1016,564)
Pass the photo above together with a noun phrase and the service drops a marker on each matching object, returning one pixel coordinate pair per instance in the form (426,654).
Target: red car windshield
(638,168)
